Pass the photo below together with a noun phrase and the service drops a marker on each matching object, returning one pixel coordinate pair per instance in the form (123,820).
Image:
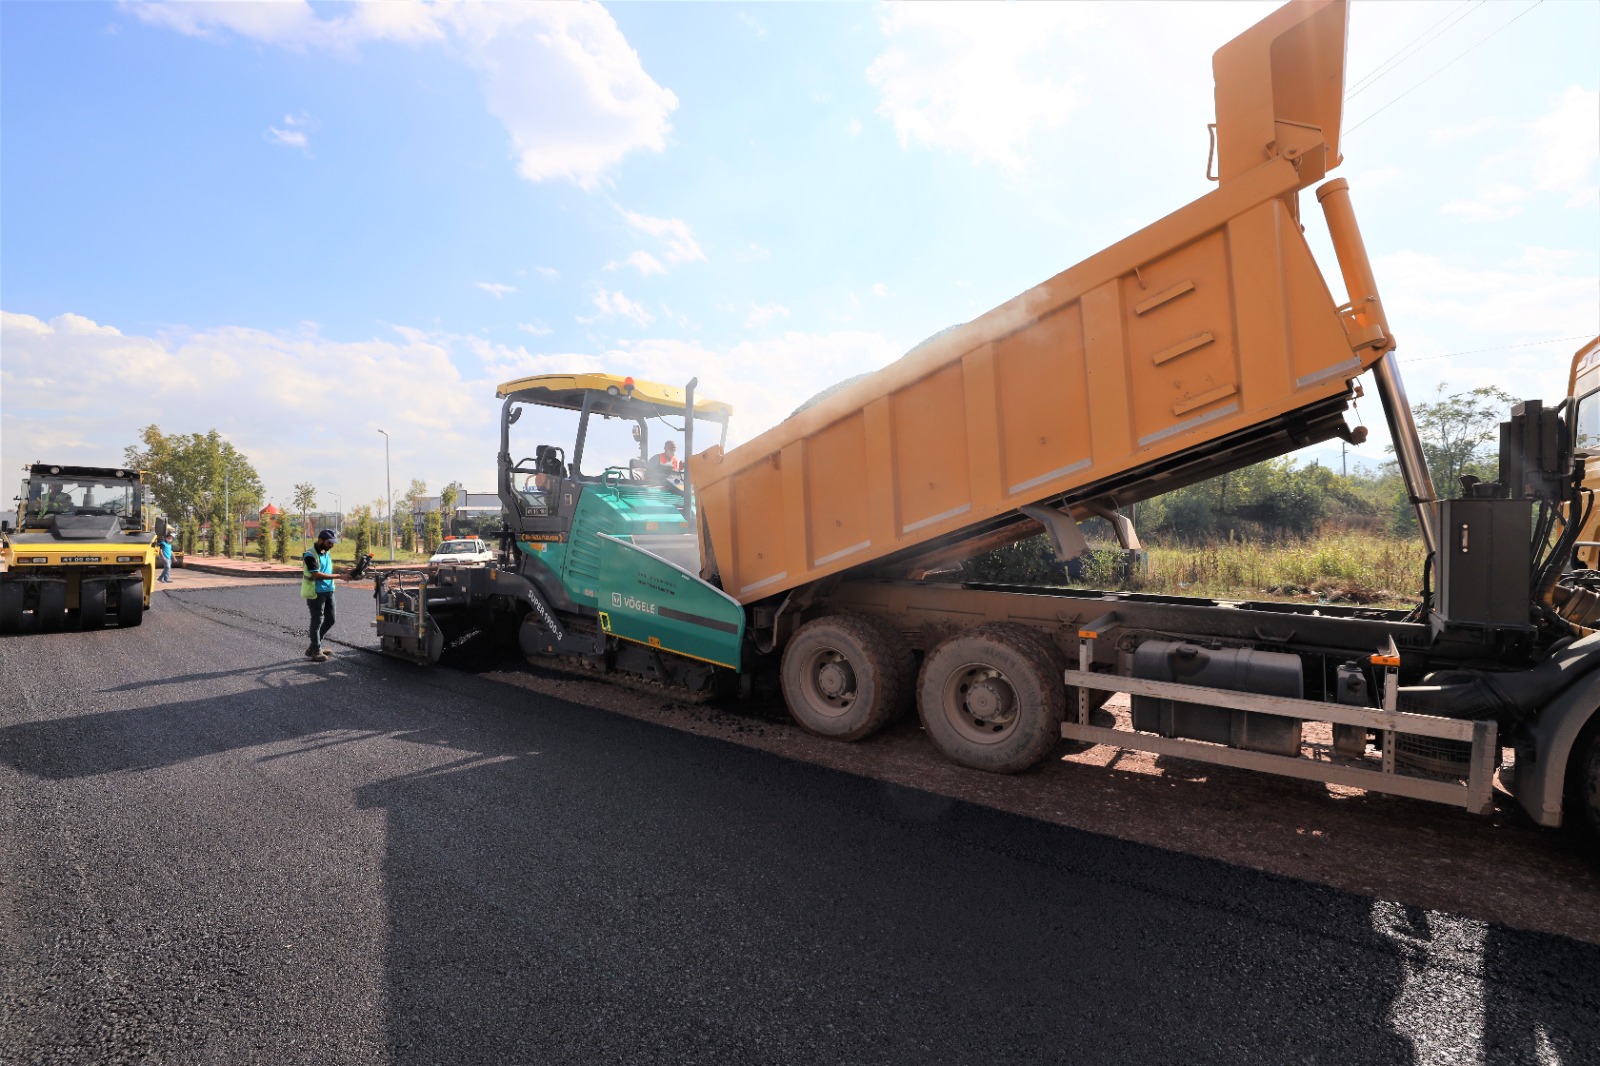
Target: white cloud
(495,289)
(1457,133)
(293,133)
(977,78)
(761,314)
(547,273)
(538,329)
(853,127)
(57,374)
(643,262)
(1495,201)
(750,22)
(673,232)
(565,84)
(880,290)
(560,77)
(615,303)
(294,24)
(1566,147)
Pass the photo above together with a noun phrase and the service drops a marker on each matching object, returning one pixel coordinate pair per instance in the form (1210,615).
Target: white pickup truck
(462,551)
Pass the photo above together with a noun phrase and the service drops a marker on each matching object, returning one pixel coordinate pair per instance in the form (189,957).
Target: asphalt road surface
(212,851)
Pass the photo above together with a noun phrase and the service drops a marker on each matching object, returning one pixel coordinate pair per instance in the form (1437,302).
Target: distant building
(469,505)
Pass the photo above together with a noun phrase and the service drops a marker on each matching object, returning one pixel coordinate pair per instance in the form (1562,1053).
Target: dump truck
(825,552)
(80,553)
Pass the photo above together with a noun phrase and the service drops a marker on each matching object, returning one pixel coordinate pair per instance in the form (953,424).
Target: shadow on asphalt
(572,886)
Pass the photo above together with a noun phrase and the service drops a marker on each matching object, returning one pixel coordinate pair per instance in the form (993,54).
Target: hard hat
(330,534)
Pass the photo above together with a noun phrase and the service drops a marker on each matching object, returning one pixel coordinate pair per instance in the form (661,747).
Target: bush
(282,524)
(431,532)
(264,537)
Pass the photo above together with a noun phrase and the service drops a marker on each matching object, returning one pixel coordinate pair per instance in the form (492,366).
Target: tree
(415,496)
(1455,430)
(447,504)
(283,537)
(382,531)
(305,499)
(413,503)
(264,536)
(430,532)
(361,518)
(195,473)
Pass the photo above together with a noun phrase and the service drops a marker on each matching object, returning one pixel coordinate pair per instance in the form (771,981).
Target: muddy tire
(845,676)
(1059,661)
(92,605)
(1583,783)
(993,698)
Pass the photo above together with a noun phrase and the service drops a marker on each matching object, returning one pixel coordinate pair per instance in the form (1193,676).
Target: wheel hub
(988,701)
(835,679)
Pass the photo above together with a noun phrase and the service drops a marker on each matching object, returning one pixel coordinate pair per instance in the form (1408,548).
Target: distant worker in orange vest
(667,457)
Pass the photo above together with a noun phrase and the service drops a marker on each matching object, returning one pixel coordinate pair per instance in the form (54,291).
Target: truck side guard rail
(1475,794)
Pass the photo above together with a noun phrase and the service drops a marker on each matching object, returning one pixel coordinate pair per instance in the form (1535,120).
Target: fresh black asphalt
(212,851)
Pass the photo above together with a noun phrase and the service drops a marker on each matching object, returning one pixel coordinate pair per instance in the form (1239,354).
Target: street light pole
(338,501)
(388,489)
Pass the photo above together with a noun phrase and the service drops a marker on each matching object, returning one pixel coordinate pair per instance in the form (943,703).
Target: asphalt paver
(215,851)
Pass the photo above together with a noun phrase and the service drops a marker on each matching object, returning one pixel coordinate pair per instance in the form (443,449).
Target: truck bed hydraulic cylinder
(1368,326)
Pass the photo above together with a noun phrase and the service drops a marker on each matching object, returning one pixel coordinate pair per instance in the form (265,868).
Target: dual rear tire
(993,698)
(846,676)
(990,698)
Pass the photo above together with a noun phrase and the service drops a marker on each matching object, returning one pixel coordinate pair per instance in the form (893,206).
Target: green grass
(1339,567)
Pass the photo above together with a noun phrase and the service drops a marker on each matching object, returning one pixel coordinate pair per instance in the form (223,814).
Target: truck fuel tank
(1236,669)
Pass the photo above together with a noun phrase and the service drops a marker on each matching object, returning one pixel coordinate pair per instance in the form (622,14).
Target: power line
(1436,73)
(1501,348)
(1407,51)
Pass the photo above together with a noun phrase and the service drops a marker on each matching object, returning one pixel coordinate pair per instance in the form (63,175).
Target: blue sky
(299,224)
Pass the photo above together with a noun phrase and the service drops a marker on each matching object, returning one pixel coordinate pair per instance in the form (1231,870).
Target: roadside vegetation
(1279,530)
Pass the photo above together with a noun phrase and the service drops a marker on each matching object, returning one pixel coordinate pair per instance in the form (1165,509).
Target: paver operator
(316,585)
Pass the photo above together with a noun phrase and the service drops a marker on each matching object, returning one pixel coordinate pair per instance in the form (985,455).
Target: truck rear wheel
(992,698)
(1583,781)
(846,675)
(52,609)
(92,604)
(10,607)
(130,602)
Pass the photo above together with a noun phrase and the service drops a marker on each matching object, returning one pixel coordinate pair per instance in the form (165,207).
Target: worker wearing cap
(316,585)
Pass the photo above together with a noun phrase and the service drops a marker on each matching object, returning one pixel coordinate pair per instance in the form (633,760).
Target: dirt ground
(1498,868)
